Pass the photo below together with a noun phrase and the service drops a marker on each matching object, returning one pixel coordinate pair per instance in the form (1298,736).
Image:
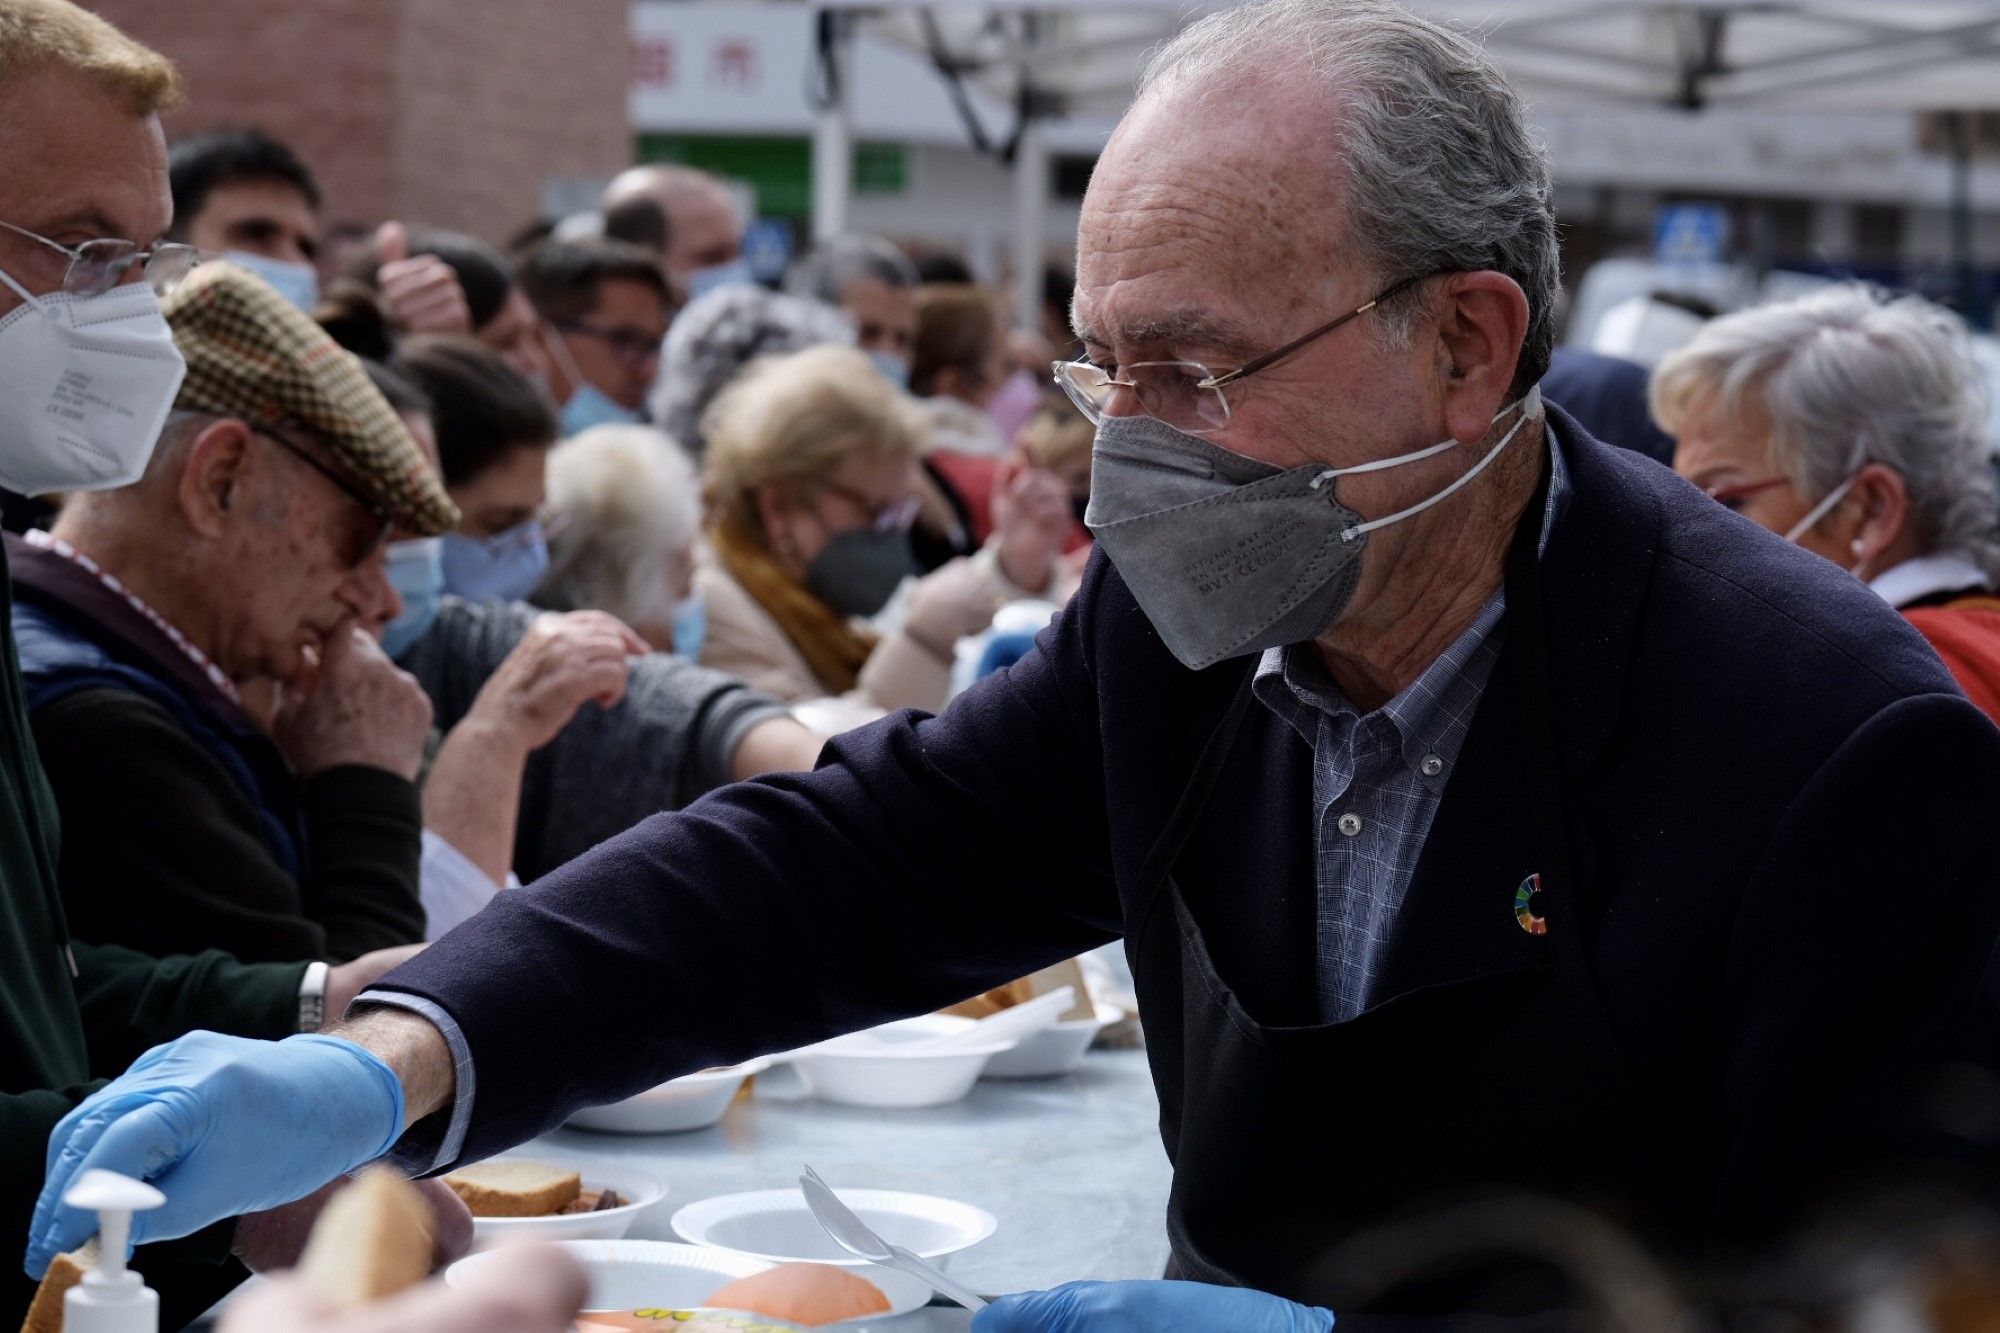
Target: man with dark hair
(245,194)
(607,305)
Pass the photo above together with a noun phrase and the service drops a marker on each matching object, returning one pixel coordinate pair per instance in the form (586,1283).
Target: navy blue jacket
(1781,816)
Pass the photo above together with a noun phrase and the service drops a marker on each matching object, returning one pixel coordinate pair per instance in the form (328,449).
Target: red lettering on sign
(653,62)
(733,64)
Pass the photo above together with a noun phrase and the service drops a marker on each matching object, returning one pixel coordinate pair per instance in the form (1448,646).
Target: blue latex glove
(1148,1307)
(222,1126)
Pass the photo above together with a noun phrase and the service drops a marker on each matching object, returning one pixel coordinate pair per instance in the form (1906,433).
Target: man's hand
(420,294)
(563,662)
(1145,1307)
(348,980)
(358,708)
(1031,521)
(276,1237)
(223,1126)
(538,1290)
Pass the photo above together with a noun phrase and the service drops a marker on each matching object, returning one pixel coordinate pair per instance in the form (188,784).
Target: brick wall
(447,112)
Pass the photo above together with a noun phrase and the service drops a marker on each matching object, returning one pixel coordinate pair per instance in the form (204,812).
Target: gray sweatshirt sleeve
(670,739)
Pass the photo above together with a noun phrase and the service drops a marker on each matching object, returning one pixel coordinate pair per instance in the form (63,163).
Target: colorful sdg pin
(1525,904)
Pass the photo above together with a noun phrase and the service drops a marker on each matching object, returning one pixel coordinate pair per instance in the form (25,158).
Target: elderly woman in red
(1856,426)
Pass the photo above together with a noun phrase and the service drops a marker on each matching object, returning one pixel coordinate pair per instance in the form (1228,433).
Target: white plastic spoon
(855,1236)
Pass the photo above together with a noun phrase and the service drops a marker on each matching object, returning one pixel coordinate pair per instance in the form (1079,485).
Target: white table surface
(1072,1167)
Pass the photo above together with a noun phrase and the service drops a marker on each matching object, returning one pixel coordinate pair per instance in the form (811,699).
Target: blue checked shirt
(1377,781)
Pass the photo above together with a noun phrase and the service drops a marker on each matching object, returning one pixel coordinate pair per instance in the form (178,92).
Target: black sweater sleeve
(163,852)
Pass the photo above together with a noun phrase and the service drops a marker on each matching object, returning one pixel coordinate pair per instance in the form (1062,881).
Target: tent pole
(1031,212)
(833,127)
(1965,279)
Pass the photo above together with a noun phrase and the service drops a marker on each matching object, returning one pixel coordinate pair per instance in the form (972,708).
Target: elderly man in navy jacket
(1480,807)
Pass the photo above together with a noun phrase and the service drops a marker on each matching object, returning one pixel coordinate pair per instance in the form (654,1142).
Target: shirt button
(1431,766)
(1349,823)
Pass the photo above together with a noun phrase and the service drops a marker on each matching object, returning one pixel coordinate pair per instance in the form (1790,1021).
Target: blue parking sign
(767,246)
(1691,234)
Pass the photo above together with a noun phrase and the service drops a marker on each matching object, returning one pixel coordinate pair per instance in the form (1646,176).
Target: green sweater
(61,1026)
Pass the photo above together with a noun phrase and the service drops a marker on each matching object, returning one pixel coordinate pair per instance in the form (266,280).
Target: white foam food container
(777,1227)
(695,1101)
(869,1068)
(632,1274)
(1054,1050)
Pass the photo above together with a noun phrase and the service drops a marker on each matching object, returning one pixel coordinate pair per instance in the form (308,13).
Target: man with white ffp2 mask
(1471,888)
(87,371)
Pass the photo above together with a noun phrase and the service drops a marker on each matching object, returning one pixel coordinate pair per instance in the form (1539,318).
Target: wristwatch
(312,998)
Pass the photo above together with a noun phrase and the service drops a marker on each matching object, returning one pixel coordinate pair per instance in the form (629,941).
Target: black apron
(1289,1136)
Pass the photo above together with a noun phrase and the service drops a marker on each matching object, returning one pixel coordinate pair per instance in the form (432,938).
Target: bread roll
(373,1239)
(45,1313)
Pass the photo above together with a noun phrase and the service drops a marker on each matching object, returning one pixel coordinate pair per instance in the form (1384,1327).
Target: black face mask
(858,571)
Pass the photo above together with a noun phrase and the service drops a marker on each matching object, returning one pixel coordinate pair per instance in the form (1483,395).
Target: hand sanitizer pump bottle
(112,1298)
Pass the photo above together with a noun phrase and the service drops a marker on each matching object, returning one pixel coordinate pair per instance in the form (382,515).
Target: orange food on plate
(809,1294)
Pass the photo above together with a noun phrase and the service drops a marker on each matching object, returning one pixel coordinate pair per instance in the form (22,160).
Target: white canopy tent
(1041,61)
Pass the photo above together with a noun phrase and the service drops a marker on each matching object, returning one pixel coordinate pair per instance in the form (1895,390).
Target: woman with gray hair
(719,334)
(630,509)
(1855,425)
(876,284)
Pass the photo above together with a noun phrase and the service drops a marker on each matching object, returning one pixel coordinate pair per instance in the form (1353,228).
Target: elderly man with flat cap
(1481,808)
(245,552)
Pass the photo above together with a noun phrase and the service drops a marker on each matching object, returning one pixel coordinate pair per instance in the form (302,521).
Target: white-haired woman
(630,505)
(1855,425)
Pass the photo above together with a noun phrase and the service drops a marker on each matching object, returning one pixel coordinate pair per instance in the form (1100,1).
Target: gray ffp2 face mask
(1228,555)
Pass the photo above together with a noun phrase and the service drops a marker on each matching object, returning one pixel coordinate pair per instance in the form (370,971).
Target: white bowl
(641,1189)
(632,1274)
(693,1102)
(1056,1049)
(776,1226)
(868,1069)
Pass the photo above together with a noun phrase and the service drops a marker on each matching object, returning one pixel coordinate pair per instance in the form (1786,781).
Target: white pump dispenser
(112,1298)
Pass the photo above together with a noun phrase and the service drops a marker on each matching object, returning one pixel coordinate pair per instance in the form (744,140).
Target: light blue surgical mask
(734,273)
(506,565)
(895,369)
(416,572)
(296,282)
(591,406)
(689,625)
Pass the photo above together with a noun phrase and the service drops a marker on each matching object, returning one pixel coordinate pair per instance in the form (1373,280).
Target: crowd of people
(1480,805)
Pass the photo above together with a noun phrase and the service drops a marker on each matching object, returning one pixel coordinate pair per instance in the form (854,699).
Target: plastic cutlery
(855,1236)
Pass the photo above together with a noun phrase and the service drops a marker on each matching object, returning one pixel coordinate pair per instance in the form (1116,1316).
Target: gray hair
(1849,376)
(826,270)
(631,508)
(711,341)
(1440,170)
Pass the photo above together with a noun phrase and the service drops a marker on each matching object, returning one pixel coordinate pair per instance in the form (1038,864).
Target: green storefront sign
(779,169)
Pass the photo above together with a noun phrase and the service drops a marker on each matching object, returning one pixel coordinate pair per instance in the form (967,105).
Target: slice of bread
(45,1313)
(372,1239)
(514,1187)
